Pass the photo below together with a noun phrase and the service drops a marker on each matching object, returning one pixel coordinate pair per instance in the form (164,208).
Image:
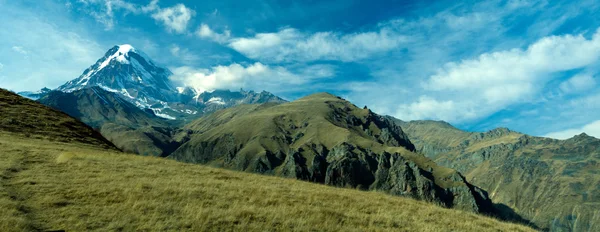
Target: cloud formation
(175,18)
(578,83)
(253,76)
(493,81)
(290,44)
(19,49)
(204,31)
(43,52)
(592,129)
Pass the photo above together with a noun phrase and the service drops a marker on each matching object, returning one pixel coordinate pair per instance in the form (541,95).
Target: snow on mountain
(132,75)
(216,100)
(124,67)
(34,95)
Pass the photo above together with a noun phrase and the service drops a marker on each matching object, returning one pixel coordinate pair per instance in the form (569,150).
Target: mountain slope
(48,186)
(57,174)
(96,107)
(325,139)
(129,72)
(34,95)
(553,183)
(24,117)
(128,127)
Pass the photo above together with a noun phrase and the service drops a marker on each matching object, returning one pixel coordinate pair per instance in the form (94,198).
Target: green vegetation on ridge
(555,184)
(325,139)
(74,187)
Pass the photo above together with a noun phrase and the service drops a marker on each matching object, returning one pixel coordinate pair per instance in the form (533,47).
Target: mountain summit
(129,72)
(134,77)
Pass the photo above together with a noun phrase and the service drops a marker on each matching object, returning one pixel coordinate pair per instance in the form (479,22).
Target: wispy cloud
(204,31)
(592,129)
(478,87)
(20,49)
(175,18)
(252,76)
(184,54)
(57,51)
(578,83)
(290,44)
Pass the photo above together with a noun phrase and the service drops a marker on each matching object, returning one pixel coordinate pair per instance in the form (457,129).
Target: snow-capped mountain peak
(126,69)
(121,55)
(130,74)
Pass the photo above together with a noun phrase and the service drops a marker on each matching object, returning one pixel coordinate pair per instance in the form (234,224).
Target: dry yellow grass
(51,186)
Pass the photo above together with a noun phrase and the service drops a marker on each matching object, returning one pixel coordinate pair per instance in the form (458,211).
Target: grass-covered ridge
(76,187)
(325,139)
(32,119)
(554,184)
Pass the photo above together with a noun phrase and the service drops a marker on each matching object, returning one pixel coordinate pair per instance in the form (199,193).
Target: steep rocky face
(552,183)
(134,77)
(325,139)
(129,72)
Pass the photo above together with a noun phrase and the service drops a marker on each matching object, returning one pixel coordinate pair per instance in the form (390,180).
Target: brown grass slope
(553,183)
(128,127)
(28,118)
(322,138)
(57,186)
(60,179)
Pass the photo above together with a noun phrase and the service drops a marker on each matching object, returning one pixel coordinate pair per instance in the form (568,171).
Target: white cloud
(20,49)
(290,44)
(592,129)
(152,6)
(105,15)
(256,76)
(1,66)
(175,18)
(58,50)
(204,31)
(184,54)
(577,83)
(496,80)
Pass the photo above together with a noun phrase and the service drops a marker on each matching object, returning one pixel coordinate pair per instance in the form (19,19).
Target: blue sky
(528,65)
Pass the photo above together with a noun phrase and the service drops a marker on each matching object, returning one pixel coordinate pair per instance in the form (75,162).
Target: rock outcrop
(325,139)
(552,183)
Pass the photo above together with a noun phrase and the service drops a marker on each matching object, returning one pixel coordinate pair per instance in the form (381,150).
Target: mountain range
(545,183)
(131,101)
(552,183)
(58,174)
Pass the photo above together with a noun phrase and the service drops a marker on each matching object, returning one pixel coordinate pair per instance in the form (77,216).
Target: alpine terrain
(58,174)
(131,101)
(553,183)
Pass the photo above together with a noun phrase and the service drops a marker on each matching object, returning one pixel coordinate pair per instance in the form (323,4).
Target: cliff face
(325,139)
(555,184)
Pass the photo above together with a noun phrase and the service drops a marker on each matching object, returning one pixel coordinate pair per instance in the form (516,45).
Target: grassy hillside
(128,127)
(28,118)
(325,139)
(48,185)
(552,183)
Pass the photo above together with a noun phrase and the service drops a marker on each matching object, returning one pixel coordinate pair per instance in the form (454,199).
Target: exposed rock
(324,139)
